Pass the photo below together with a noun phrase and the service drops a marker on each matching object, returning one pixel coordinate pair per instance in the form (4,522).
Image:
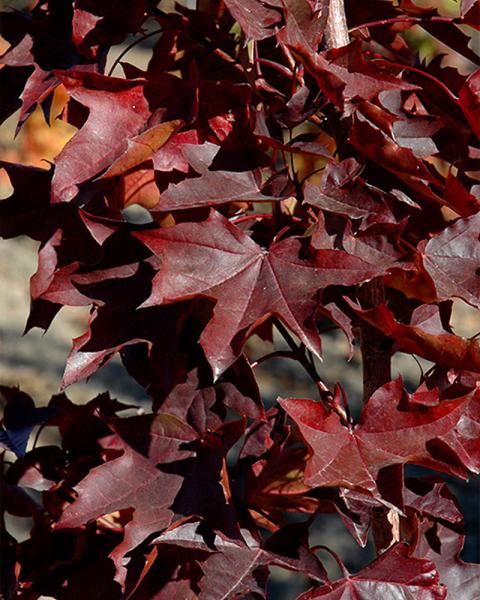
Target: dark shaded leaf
(232,568)
(19,418)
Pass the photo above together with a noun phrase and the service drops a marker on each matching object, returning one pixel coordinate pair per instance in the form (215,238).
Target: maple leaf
(238,105)
(99,24)
(461,579)
(206,488)
(134,480)
(426,336)
(470,11)
(234,568)
(373,246)
(385,435)
(214,258)
(303,25)
(452,258)
(456,195)
(36,86)
(198,405)
(372,133)
(111,330)
(344,75)
(393,575)
(254,17)
(341,192)
(136,187)
(142,147)
(430,496)
(279,486)
(213,186)
(117,110)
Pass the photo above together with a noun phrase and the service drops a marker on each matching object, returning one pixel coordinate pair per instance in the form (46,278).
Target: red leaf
(426,337)
(117,111)
(431,497)
(142,147)
(393,575)
(97,24)
(254,17)
(303,25)
(378,143)
(110,330)
(206,489)
(248,283)
(132,480)
(470,12)
(212,187)
(462,201)
(343,74)
(385,435)
(452,259)
(193,402)
(461,579)
(234,568)
(171,155)
(137,187)
(38,86)
(341,192)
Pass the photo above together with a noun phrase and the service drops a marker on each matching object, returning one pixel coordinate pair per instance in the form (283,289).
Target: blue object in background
(19,418)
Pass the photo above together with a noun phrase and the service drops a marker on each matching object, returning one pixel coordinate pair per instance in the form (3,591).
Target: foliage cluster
(293,186)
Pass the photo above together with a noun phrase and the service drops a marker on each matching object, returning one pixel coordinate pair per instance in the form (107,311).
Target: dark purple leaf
(393,574)
(256,280)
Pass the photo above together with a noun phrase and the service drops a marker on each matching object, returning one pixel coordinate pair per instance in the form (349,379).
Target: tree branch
(336,31)
(375,358)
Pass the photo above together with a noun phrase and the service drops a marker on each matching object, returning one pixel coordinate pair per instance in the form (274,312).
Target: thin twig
(304,179)
(252,217)
(133,44)
(280,68)
(37,436)
(401,19)
(388,63)
(277,354)
(300,353)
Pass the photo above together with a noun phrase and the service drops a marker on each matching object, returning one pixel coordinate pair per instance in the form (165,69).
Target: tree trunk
(375,357)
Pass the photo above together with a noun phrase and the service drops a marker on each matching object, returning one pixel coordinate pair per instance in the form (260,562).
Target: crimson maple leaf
(452,258)
(255,19)
(393,575)
(216,259)
(461,579)
(426,336)
(386,435)
(118,110)
(213,186)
